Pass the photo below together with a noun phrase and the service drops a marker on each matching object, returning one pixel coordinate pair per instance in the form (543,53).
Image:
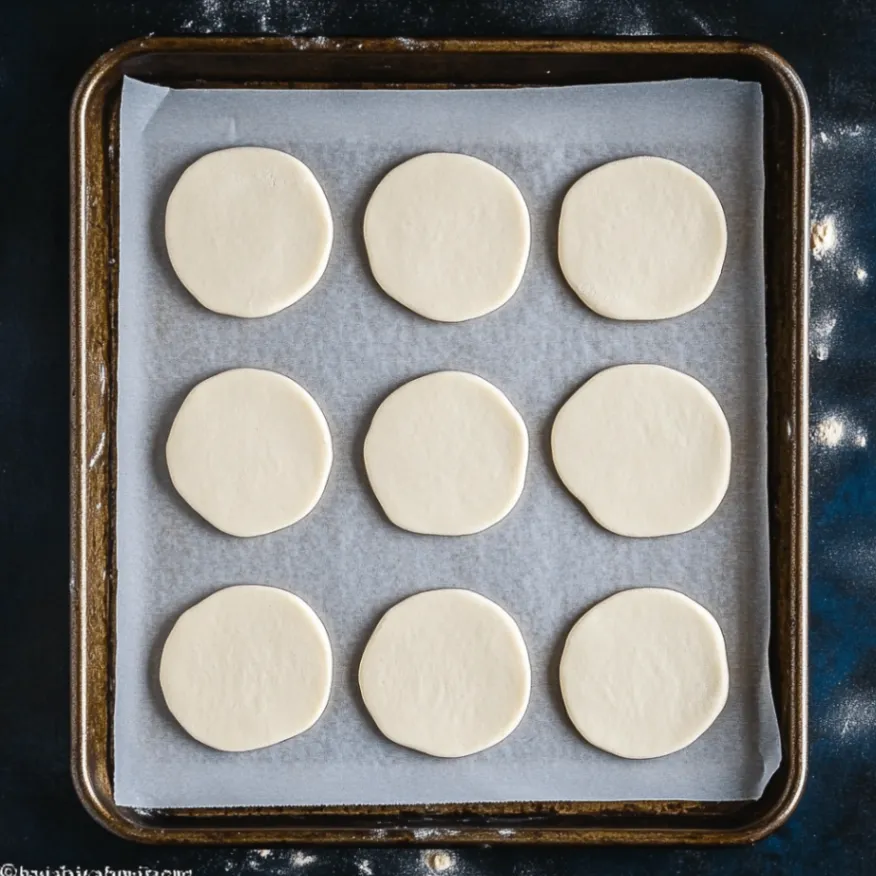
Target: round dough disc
(642,238)
(250,451)
(447,236)
(247,667)
(645,448)
(446,672)
(446,454)
(644,673)
(248,230)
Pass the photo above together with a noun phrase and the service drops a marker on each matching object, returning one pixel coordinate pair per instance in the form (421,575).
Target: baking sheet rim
(91,778)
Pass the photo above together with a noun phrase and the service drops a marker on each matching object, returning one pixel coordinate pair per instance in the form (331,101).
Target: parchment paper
(350,345)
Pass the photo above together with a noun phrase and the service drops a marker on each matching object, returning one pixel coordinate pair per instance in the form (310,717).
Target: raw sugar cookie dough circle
(447,236)
(644,673)
(248,230)
(446,454)
(446,672)
(247,667)
(645,449)
(250,451)
(642,238)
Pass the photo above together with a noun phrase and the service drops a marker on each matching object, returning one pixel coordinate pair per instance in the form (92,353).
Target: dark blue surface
(45,47)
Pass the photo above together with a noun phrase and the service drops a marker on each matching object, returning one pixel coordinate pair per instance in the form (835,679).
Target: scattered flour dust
(622,18)
(211,14)
(364,867)
(438,862)
(852,717)
(251,16)
(860,274)
(834,430)
(821,329)
(299,859)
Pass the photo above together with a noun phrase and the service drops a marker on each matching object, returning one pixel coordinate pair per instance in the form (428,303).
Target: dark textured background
(46,46)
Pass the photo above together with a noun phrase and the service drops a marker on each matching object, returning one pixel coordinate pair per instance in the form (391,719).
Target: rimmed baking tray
(317,62)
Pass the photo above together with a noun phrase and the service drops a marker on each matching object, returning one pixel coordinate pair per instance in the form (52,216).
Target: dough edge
(595,305)
(319,419)
(514,190)
(718,634)
(500,614)
(500,397)
(707,396)
(325,214)
(318,627)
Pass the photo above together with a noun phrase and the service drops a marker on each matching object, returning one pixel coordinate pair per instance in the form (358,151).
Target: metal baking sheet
(350,345)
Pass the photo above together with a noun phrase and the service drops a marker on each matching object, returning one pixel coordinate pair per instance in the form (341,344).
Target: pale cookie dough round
(645,449)
(250,451)
(248,230)
(447,236)
(446,454)
(644,673)
(642,238)
(446,672)
(247,667)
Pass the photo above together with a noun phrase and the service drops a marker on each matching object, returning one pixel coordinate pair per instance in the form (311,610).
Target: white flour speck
(822,352)
(830,431)
(823,238)
(256,859)
(439,861)
(299,859)
(860,275)
(364,867)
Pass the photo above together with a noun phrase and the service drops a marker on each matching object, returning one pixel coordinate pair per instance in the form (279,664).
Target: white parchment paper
(349,345)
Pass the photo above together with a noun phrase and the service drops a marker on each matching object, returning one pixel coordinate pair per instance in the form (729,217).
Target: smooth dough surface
(247,667)
(642,238)
(446,454)
(248,230)
(446,672)
(447,236)
(644,673)
(250,451)
(645,448)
